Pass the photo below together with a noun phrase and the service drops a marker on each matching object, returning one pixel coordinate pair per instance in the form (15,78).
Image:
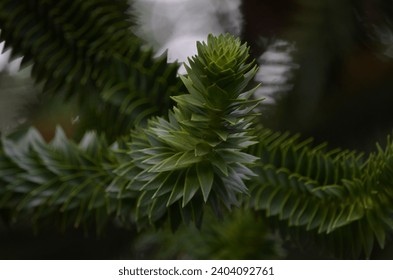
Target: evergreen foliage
(61,180)
(339,193)
(208,153)
(86,48)
(196,154)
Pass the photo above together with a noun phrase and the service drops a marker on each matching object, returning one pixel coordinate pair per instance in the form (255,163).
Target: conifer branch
(197,156)
(60,179)
(87,49)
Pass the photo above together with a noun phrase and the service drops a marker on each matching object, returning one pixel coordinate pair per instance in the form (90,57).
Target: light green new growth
(197,155)
(207,152)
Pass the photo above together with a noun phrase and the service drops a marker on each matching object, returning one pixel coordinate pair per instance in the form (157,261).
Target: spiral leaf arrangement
(196,156)
(341,196)
(207,152)
(61,179)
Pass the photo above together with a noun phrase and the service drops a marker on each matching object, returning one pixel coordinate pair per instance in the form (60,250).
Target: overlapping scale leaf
(328,192)
(197,154)
(67,182)
(224,61)
(86,49)
(377,175)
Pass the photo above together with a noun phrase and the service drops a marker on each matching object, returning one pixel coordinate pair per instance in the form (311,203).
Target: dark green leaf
(205,177)
(191,185)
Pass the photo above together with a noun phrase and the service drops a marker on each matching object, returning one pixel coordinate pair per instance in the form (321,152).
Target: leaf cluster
(62,180)
(196,156)
(207,151)
(341,196)
(87,49)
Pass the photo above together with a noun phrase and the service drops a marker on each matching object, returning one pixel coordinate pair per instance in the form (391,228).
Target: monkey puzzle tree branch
(87,49)
(197,156)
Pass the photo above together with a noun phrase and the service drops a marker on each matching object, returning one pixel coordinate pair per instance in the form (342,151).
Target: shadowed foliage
(161,150)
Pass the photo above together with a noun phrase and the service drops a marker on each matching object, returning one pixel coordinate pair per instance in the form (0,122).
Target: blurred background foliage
(326,71)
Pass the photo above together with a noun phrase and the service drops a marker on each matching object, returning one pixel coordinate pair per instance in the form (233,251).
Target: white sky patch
(275,70)
(176,25)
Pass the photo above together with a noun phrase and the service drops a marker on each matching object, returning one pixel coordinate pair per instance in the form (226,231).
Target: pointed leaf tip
(205,177)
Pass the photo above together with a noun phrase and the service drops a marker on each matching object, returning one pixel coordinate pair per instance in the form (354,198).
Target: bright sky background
(176,25)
